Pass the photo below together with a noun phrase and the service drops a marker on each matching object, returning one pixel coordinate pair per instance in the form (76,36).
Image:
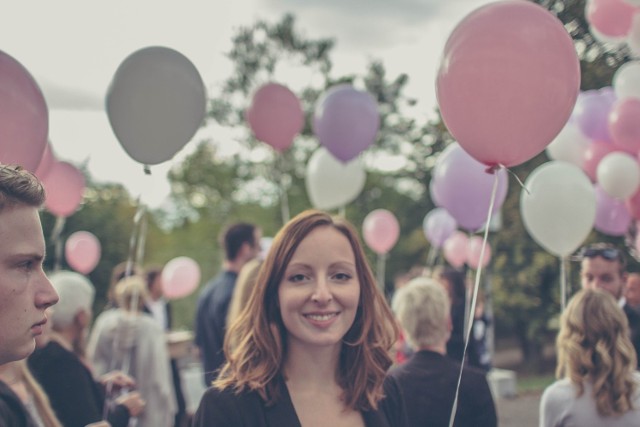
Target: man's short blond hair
(423,309)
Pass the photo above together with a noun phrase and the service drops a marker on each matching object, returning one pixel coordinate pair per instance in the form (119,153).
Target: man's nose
(46,295)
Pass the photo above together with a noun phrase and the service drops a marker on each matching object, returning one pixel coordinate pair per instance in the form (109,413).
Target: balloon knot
(493,169)
(147,170)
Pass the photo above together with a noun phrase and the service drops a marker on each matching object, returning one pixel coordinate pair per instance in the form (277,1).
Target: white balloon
(569,146)
(332,184)
(626,80)
(559,208)
(619,174)
(156,102)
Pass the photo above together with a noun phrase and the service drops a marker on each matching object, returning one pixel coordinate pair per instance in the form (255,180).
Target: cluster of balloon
(82,251)
(346,121)
(24,117)
(180,277)
(332,184)
(615,22)
(155,104)
(275,116)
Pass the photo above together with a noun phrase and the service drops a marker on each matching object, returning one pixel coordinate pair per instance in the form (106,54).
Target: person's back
(241,243)
(429,379)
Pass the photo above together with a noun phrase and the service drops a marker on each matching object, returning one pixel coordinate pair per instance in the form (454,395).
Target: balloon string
(476,285)
(57,241)
(381,266)
(431,257)
(513,174)
(284,197)
(563,282)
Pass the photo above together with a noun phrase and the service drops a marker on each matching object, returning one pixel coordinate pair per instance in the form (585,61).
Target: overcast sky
(73,47)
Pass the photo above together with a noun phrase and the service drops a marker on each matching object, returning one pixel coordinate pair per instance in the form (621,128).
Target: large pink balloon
(380,230)
(624,124)
(24,118)
(64,185)
(275,115)
(464,187)
(508,81)
(612,18)
(455,249)
(180,277)
(346,121)
(82,251)
(474,247)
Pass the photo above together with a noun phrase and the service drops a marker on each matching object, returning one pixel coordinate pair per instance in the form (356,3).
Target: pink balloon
(346,121)
(612,18)
(46,161)
(633,205)
(624,124)
(474,247)
(180,277)
(592,156)
(612,216)
(455,249)
(64,186)
(24,118)
(464,187)
(82,251)
(508,80)
(380,230)
(275,116)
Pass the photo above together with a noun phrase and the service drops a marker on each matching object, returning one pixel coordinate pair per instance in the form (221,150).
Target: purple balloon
(464,186)
(346,121)
(612,216)
(433,192)
(438,225)
(592,113)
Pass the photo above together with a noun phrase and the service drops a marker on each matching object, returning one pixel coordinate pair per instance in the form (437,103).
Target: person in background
(315,338)
(603,266)
(25,290)
(77,398)
(241,242)
(161,311)
(127,340)
(429,379)
(632,291)
(597,381)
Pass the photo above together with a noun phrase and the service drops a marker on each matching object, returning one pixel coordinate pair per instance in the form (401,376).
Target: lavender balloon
(592,113)
(612,216)
(464,186)
(346,121)
(438,225)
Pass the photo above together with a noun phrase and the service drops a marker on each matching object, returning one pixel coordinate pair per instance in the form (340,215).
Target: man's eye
(27,265)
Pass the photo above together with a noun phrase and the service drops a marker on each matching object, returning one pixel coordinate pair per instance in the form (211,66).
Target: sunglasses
(610,254)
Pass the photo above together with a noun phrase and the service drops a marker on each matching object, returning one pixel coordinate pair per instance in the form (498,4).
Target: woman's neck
(314,367)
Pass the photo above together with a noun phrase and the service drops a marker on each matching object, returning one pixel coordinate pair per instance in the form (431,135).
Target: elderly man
(602,266)
(25,291)
(428,380)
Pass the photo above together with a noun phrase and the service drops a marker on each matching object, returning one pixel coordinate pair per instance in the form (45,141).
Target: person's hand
(99,424)
(133,402)
(118,380)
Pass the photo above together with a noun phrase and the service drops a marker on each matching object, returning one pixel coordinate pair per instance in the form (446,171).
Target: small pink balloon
(612,216)
(275,116)
(380,230)
(612,18)
(624,124)
(507,82)
(455,249)
(64,186)
(474,247)
(592,156)
(24,117)
(46,162)
(82,251)
(180,277)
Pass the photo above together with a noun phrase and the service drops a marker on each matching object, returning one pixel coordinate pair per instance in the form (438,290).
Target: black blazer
(226,409)
(428,383)
(634,328)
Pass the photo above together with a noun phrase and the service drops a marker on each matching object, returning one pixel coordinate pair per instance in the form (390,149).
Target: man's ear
(82,318)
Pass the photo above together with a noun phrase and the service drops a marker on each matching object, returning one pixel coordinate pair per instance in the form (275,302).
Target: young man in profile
(25,290)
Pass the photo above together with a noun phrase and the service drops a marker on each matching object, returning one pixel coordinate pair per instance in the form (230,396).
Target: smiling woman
(313,341)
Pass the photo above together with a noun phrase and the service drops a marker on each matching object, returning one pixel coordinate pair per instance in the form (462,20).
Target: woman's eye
(343,277)
(296,278)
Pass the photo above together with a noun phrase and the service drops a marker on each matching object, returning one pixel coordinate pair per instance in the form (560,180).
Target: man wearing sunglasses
(602,266)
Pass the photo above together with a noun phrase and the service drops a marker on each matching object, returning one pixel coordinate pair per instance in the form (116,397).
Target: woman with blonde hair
(242,290)
(314,339)
(597,381)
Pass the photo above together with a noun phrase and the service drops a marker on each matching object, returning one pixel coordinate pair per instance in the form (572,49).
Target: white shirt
(158,310)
